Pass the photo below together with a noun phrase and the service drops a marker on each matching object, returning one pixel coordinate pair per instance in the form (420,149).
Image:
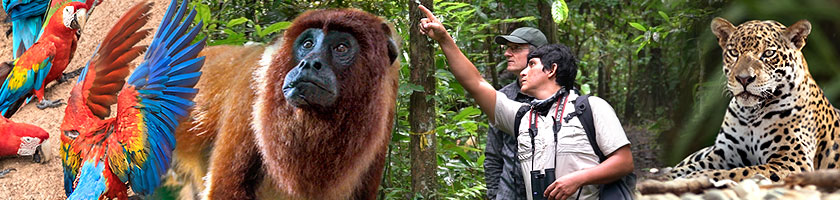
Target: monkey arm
(233,168)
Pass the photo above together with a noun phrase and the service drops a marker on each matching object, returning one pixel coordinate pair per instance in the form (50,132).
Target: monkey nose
(314,63)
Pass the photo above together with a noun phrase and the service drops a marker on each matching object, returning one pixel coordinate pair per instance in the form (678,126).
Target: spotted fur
(778,121)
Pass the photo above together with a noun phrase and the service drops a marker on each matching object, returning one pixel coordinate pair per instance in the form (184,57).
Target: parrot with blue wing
(45,60)
(27,17)
(103,157)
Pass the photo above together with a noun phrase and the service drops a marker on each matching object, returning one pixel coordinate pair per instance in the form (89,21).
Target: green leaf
(521,19)
(638,26)
(559,11)
(664,16)
(640,47)
(638,37)
(466,112)
(237,21)
(585,89)
(408,88)
(454,6)
(203,13)
(275,27)
(258,29)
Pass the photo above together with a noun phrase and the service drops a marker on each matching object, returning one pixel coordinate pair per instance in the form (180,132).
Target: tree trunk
(490,47)
(547,25)
(422,109)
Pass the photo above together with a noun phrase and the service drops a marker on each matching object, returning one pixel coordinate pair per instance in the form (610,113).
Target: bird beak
(80,20)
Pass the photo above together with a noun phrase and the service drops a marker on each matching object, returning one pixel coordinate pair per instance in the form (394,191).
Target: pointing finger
(428,13)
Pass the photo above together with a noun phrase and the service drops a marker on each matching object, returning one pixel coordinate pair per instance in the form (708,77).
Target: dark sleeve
(493,162)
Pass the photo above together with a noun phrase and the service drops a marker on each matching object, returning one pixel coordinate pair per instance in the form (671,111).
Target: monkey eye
(308,44)
(341,48)
(72,134)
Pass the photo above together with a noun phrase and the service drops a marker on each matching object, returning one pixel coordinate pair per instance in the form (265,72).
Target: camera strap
(533,130)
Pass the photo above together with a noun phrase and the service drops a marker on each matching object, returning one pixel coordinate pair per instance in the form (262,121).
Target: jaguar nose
(745,80)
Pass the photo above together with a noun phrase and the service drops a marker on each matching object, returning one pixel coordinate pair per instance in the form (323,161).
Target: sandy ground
(46,181)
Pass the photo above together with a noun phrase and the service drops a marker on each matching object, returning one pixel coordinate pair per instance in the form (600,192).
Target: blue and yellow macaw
(102,157)
(27,17)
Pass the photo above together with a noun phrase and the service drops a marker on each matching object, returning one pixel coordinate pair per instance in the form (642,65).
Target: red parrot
(103,157)
(46,59)
(21,139)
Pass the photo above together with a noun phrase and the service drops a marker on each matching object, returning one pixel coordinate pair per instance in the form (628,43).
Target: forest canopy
(656,62)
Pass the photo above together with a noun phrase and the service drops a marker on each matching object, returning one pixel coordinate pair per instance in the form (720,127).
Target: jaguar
(778,121)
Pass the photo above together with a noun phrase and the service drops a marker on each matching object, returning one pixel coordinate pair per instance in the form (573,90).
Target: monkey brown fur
(259,145)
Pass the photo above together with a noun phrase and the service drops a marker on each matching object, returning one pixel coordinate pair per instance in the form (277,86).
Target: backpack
(620,189)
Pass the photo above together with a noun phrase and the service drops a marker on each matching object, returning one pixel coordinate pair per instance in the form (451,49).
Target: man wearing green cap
(561,159)
(501,167)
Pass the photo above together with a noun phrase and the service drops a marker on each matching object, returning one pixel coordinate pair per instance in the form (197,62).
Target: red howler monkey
(312,121)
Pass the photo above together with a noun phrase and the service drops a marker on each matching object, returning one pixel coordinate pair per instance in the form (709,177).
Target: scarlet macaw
(101,157)
(19,139)
(46,59)
(27,18)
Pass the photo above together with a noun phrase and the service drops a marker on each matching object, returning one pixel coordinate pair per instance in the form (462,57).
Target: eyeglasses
(514,47)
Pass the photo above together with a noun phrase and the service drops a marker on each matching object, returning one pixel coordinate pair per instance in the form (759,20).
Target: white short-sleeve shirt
(573,151)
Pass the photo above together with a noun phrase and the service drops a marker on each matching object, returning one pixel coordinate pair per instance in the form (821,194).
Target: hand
(431,26)
(563,187)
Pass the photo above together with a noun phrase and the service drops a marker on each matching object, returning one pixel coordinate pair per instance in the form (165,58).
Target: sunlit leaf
(275,27)
(638,26)
(559,11)
(664,16)
(237,21)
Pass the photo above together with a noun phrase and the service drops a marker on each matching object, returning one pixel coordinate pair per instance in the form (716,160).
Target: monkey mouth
(305,93)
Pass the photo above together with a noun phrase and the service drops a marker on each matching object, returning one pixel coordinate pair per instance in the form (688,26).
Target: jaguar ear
(797,33)
(722,29)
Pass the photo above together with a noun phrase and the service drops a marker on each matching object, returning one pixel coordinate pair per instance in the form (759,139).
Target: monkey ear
(393,49)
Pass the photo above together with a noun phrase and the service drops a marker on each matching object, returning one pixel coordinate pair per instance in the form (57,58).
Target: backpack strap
(584,114)
(518,119)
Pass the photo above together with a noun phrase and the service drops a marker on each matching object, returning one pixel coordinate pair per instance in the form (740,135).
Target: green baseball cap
(523,35)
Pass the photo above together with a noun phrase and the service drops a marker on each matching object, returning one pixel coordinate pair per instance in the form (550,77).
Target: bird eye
(768,53)
(341,48)
(308,44)
(72,134)
(733,53)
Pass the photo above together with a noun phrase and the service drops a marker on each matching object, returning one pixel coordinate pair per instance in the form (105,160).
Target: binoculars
(539,182)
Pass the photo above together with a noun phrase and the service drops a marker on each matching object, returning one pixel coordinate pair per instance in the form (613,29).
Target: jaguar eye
(768,53)
(72,134)
(308,44)
(341,48)
(733,53)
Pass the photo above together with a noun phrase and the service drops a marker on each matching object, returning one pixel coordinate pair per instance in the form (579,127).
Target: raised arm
(464,71)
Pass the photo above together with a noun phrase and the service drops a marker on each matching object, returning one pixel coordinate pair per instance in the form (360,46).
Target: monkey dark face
(319,57)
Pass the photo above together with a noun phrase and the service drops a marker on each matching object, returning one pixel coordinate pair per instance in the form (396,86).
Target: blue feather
(91,183)
(27,18)
(184,79)
(164,82)
(33,80)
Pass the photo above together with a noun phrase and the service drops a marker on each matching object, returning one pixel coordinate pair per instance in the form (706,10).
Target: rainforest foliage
(656,62)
